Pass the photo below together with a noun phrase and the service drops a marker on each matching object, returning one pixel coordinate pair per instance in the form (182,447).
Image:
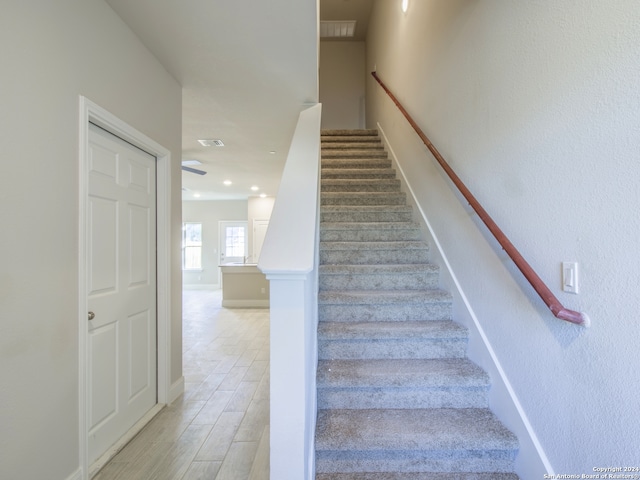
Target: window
(191,246)
(235,242)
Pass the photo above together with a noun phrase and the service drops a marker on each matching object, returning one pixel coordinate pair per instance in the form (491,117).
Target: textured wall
(536,105)
(52,52)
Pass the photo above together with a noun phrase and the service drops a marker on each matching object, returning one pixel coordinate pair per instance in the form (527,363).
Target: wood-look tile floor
(219,428)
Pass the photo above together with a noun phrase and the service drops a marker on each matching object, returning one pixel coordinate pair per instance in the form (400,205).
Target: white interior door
(121,288)
(259,232)
(233,242)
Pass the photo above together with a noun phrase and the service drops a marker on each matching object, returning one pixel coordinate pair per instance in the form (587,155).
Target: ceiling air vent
(337,28)
(211,143)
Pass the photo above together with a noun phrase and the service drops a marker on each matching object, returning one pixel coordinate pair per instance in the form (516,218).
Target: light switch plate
(570,277)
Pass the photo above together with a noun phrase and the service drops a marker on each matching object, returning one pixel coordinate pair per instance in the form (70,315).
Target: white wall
(536,106)
(52,52)
(210,213)
(258,209)
(342,84)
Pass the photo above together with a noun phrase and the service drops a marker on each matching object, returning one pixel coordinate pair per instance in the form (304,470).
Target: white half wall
(289,259)
(536,107)
(52,53)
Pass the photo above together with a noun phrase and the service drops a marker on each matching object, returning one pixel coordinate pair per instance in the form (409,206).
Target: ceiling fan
(187,168)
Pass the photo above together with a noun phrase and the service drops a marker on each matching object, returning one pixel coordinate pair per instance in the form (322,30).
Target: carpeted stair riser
(346,154)
(363,185)
(329,139)
(384,312)
(378,277)
(397,397)
(363,198)
(376,213)
(356,163)
(369,132)
(369,232)
(368,253)
(358,173)
(401,383)
(392,349)
(419,339)
(359,331)
(446,460)
(354,145)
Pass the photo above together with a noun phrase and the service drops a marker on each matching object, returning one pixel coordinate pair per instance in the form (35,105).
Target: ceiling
(247,69)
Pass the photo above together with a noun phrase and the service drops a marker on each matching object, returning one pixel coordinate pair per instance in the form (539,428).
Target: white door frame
(90,112)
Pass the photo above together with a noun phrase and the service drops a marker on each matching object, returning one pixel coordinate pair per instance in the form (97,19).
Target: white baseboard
(245,303)
(201,286)
(532,462)
(176,389)
(77,475)
(122,442)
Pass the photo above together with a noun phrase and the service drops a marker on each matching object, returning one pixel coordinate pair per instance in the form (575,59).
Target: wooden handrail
(558,310)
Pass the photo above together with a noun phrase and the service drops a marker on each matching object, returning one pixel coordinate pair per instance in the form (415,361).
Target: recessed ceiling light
(196,195)
(272,152)
(255,188)
(211,142)
(263,195)
(405,5)
(227,182)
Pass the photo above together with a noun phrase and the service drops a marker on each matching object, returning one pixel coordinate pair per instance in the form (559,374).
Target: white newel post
(289,260)
(289,378)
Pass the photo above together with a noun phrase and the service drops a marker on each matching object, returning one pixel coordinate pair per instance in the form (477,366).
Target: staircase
(397,397)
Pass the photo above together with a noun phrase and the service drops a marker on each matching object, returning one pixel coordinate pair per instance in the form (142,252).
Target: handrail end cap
(586,321)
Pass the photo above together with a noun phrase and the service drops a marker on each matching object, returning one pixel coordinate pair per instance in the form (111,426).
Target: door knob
(92,315)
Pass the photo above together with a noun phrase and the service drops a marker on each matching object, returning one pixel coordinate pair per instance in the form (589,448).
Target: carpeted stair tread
(360,185)
(401,383)
(417,476)
(438,429)
(401,373)
(351,145)
(359,331)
